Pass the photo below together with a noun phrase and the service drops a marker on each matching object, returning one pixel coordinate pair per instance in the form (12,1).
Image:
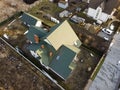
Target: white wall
(63,5)
(97,14)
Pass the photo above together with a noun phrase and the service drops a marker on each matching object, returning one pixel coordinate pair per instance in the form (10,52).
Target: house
(102,10)
(77,19)
(63,4)
(57,49)
(65,13)
(39,48)
(29,20)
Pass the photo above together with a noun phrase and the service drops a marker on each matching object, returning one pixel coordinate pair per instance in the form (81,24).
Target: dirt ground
(91,40)
(18,74)
(79,77)
(9,7)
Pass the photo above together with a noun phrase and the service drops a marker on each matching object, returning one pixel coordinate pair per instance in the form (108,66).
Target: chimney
(36,38)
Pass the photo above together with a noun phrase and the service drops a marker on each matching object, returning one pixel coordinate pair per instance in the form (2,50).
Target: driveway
(102,35)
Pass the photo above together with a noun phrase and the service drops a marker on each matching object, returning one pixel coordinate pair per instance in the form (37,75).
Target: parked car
(106,38)
(107,31)
(112,27)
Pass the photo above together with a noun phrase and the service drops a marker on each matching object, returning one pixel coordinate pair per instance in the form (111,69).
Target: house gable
(63,34)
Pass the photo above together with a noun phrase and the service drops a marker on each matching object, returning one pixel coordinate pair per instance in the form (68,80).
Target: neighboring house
(29,20)
(65,13)
(63,4)
(77,19)
(56,50)
(102,10)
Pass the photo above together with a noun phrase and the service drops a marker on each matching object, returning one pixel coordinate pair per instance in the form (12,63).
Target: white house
(65,13)
(63,4)
(97,14)
(102,10)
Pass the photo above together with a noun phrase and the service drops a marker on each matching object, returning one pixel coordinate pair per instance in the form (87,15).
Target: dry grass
(79,77)
(9,7)
(17,74)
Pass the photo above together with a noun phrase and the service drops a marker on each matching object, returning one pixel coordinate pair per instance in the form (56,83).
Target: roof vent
(77,43)
(58,57)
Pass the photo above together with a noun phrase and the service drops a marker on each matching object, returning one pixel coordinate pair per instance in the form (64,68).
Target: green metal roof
(43,53)
(35,46)
(33,30)
(62,60)
(29,19)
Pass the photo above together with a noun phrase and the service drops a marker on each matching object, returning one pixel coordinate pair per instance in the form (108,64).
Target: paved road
(109,74)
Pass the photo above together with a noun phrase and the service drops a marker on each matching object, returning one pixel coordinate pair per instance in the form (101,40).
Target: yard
(91,51)
(14,6)
(17,74)
(44,8)
(78,78)
(90,40)
(85,66)
(14,31)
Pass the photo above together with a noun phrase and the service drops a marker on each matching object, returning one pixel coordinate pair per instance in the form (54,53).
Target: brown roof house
(102,10)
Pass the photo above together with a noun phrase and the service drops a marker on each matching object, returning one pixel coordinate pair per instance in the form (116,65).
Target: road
(109,75)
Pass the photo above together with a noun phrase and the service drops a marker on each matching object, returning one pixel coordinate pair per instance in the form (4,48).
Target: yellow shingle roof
(64,34)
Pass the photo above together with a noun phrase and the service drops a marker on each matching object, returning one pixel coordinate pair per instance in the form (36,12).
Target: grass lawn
(43,8)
